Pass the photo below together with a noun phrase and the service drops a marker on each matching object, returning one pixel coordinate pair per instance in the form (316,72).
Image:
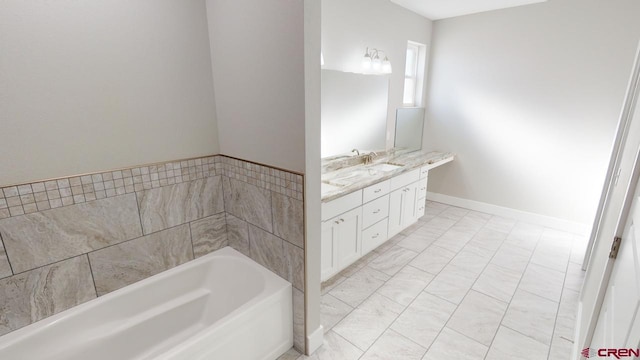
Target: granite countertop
(338,181)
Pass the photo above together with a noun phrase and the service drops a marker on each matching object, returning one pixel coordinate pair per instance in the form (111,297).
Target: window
(414,74)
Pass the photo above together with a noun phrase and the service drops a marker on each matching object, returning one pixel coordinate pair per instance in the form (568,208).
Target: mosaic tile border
(280,181)
(32,197)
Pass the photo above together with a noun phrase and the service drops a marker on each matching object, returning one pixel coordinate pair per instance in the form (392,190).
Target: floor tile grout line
(425,287)
(358,307)
(468,337)
(400,314)
(471,288)
(342,318)
(555,322)
(449,250)
(525,335)
(375,292)
(456,305)
(449,263)
(514,292)
(401,335)
(347,340)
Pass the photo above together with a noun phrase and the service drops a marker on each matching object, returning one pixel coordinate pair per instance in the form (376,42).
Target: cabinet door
(395,212)
(349,243)
(410,194)
(329,258)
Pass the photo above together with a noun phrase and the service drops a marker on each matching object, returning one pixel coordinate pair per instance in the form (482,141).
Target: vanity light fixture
(371,62)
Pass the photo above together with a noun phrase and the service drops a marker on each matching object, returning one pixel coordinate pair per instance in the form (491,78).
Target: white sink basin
(385,167)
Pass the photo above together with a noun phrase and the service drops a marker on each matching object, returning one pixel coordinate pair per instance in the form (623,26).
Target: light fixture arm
(372,57)
(375,52)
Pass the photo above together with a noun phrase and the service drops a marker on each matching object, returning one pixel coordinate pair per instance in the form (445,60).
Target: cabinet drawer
(374,236)
(375,211)
(375,191)
(421,205)
(405,179)
(424,172)
(422,188)
(340,205)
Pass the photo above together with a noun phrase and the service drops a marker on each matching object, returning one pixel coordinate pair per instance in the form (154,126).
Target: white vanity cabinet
(402,201)
(341,241)
(357,223)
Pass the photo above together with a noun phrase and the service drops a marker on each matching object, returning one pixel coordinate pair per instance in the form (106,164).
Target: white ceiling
(440,9)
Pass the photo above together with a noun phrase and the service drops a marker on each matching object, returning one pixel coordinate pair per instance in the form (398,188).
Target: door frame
(633,89)
(620,147)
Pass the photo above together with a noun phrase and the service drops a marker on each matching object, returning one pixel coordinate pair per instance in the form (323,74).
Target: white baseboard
(532,218)
(315,340)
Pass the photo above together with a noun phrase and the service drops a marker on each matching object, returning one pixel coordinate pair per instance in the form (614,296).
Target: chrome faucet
(368,158)
(356,151)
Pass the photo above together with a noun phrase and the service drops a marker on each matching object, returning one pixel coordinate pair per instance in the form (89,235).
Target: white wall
(95,85)
(312,204)
(257,51)
(350,26)
(528,98)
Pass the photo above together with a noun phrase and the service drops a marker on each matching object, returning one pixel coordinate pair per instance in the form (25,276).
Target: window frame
(417,75)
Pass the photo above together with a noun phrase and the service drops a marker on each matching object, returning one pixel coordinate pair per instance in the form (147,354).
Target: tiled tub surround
(67,241)
(343,175)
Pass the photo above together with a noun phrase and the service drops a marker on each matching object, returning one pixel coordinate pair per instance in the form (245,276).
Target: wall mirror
(354,112)
(409,128)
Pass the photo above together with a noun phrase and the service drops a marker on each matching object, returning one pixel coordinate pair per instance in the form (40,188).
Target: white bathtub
(220,306)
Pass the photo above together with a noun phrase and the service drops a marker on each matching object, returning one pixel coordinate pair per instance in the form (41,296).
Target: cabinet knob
(337,222)
(423,188)
(341,220)
(377,211)
(377,191)
(375,236)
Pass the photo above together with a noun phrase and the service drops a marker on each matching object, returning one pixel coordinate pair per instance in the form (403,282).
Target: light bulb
(376,63)
(366,62)
(386,66)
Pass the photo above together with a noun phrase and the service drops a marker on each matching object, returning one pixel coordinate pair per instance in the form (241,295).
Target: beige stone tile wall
(67,241)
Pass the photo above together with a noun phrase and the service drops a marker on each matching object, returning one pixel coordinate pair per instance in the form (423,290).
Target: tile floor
(459,284)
